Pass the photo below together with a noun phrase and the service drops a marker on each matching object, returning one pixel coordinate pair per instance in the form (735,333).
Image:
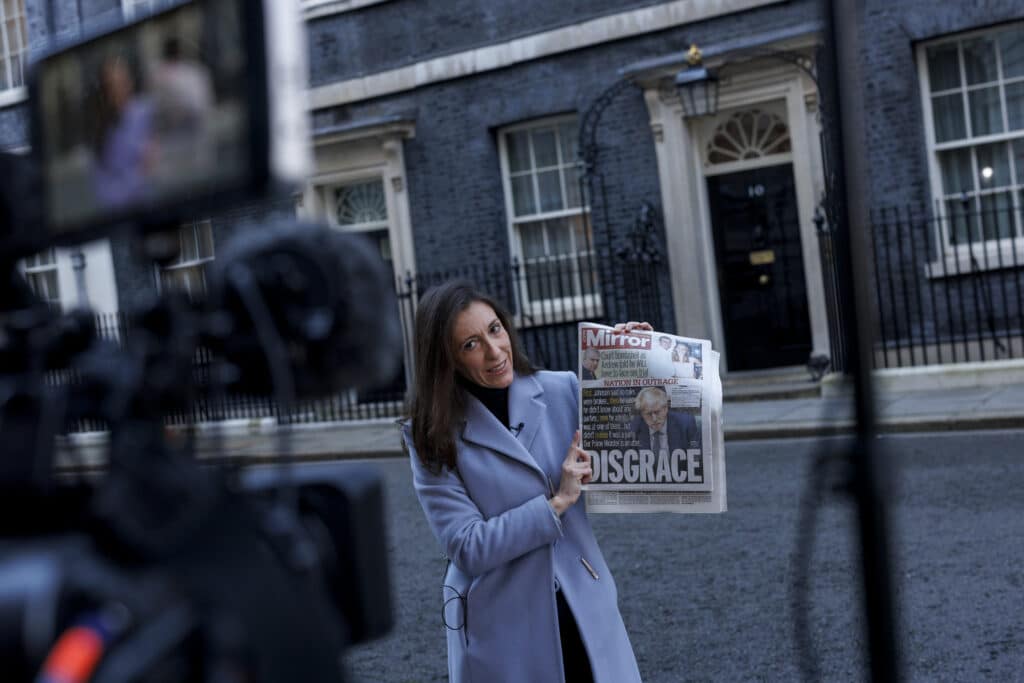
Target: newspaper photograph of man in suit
(659,429)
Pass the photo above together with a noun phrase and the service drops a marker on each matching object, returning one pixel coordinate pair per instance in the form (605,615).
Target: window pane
(545,148)
(550,185)
(1011,44)
(1015,105)
(980,61)
(943,67)
(52,291)
(956,171)
(986,115)
(187,240)
(33,283)
(542,280)
(195,283)
(4,83)
(571,178)
(518,151)
(10,31)
(584,263)
(997,216)
(17,70)
(993,166)
(44,285)
(168,279)
(1017,150)
(522,195)
(191,280)
(24,30)
(957,220)
(560,238)
(532,237)
(948,111)
(205,233)
(568,134)
(38,283)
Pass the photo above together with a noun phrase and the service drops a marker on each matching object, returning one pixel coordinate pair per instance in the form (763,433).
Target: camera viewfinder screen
(146,117)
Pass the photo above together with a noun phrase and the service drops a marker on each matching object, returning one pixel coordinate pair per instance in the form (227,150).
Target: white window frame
(312,9)
(13,46)
(970,256)
(562,309)
(327,189)
(197,264)
(40,265)
(130,7)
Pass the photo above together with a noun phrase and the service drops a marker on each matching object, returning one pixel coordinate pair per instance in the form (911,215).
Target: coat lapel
(524,407)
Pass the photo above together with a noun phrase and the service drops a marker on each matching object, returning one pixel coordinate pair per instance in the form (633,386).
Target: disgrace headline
(641,466)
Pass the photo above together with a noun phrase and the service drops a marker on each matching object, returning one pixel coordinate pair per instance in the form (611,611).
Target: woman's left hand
(632,326)
(576,471)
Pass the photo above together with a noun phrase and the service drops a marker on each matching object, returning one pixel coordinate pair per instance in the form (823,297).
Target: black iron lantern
(697,86)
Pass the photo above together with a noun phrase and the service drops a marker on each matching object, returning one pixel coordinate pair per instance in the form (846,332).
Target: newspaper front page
(651,420)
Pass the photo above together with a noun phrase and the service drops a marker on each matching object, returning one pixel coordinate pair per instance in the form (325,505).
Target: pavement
(905,400)
(895,410)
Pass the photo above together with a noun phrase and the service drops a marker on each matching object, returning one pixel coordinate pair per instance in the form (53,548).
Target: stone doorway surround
(680,145)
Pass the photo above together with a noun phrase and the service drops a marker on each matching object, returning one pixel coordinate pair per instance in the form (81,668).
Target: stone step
(770,385)
(771,392)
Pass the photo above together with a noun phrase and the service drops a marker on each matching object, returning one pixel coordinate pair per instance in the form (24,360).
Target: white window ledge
(977,258)
(13,96)
(313,9)
(540,312)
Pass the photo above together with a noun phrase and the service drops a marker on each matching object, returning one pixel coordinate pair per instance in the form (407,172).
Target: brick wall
(453,173)
(402,32)
(897,149)
(453,169)
(897,156)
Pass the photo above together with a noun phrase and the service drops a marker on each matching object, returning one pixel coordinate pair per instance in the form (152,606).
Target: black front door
(760,268)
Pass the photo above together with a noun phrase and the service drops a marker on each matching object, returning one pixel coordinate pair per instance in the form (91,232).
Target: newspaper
(651,420)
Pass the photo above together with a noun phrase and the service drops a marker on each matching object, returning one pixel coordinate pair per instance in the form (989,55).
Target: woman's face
(483,351)
(117,83)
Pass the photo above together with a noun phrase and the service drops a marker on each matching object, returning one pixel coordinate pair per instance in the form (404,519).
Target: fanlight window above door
(360,203)
(748,134)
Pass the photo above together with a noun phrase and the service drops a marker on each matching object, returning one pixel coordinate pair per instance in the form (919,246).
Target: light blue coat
(509,550)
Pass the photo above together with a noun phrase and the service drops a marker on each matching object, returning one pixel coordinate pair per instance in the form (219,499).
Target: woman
(497,468)
(684,366)
(123,141)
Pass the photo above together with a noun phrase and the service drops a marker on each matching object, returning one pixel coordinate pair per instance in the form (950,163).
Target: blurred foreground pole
(848,142)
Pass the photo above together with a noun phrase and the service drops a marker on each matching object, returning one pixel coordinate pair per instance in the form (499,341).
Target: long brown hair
(437,403)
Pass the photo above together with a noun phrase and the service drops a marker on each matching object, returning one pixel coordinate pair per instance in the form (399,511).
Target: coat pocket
(455,600)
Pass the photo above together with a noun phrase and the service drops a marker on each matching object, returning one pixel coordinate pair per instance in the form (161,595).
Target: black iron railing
(546,296)
(948,285)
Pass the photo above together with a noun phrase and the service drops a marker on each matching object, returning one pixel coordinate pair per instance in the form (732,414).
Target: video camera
(163,567)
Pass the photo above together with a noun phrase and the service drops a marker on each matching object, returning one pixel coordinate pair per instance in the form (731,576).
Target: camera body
(161,567)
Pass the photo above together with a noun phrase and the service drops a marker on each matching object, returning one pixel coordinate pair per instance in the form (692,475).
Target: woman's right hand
(576,471)
(631,326)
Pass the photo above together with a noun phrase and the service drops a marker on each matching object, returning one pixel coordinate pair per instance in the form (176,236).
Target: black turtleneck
(495,400)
